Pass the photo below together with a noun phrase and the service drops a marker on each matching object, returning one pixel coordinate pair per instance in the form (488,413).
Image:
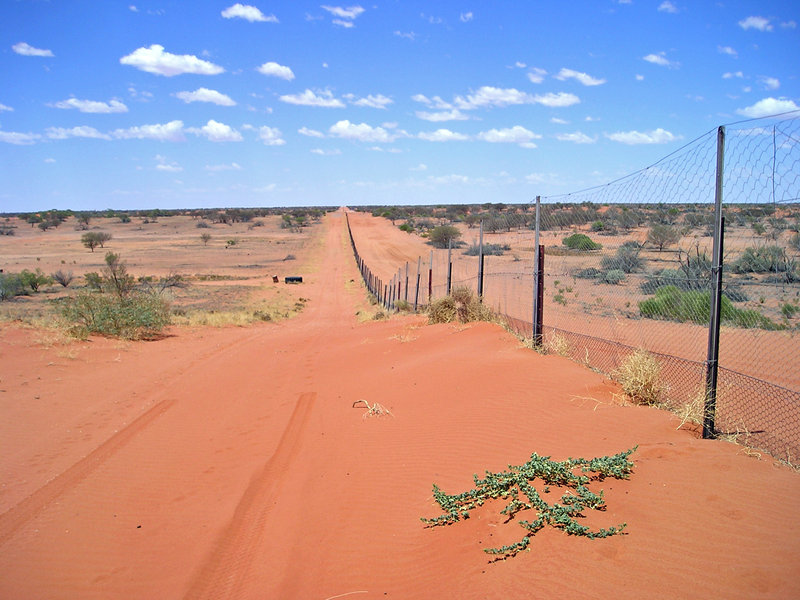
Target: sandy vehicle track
(242,470)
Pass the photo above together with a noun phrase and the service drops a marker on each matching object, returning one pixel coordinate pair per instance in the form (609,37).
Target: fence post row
(712,360)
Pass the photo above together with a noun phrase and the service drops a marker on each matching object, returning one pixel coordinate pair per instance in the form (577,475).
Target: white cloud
(167,132)
(442,135)
(639,77)
(214,131)
(92,106)
(661,60)
(512,135)
(155,60)
(577,138)
(667,7)
(217,168)
(343,23)
(536,75)
(446,115)
(361,132)
(582,78)
(310,132)
(323,99)
(657,136)
(557,100)
(768,106)
(488,96)
(419,167)
(351,12)
(466,17)
(789,25)
(759,23)
(18,138)
(737,74)
(133,8)
(60,133)
(727,50)
(6,108)
(409,36)
(249,13)
(205,95)
(371,101)
(275,70)
(770,83)
(321,152)
(27,50)
(169,168)
(435,102)
(49,160)
(271,136)
(558,121)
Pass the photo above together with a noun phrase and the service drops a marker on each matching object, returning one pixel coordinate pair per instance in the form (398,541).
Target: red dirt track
(229,463)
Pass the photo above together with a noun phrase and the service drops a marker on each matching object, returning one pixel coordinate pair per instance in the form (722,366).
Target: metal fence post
(712,360)
(480,265)
(449,265)
(430,279)
(406,292)
(536,331)
(416,293)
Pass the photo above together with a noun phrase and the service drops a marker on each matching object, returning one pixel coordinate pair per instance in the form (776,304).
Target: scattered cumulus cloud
(217,168)
(310,132)
(214,131)
(324,99)
(770,83)
(558,121)
(511,135)
(442,135)
(371,101)
(206,95)
(576,138)
(582,78)
(536,75)
(639,77)
(410,35)
(3,107)
(667,7)
(155,60)
(330,152)
(26,49)
(444,115)
(466,17)
(661,60)
(249,13)
(344,16)
(737,75)
(632,138)
(361,132)
(768,106)
(758,23)
(556,100)
(271,136)
(61,133)
(273,69)
(18,138)
(92,106)
(166,132)
(727,50)
(168,167)
(789,25)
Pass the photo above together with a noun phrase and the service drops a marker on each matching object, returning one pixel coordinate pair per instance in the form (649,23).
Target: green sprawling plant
(515,486)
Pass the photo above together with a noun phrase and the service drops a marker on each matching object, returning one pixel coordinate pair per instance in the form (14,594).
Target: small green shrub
(137,315)
(580,241)
(789,310)
(11,285)
(35,279)
(488,249)
(763,259)
(613,276)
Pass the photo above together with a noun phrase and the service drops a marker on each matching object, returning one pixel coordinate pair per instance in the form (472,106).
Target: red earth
(230,463)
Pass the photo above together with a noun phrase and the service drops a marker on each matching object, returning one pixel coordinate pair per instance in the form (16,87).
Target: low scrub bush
(11,285)
(461,305)
(580,241)
(138,315)
(672,304)
(488,249)
(763,259)
(640,377)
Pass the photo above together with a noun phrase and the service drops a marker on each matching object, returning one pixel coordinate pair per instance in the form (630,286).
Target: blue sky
(169,104)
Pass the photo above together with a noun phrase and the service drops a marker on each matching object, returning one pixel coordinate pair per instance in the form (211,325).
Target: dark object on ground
(274,279)
(293,280)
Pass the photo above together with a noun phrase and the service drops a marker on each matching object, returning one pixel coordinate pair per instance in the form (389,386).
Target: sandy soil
(229,463)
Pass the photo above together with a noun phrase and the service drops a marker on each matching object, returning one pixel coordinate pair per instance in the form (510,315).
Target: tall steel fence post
(480,265)
(430,279)
(406,288)
(712,360)
(536,332)
(416,292)
(449,265)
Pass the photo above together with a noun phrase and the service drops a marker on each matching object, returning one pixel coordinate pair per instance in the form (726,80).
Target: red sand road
(231,464)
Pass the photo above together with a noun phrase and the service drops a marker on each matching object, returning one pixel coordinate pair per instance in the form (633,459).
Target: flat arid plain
(226,461)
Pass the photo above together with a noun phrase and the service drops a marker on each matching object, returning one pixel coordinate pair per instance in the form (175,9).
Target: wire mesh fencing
(630,265)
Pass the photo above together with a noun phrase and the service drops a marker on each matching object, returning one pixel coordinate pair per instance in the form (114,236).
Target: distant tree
(34,279)
(663,235)
(93,239)
(444,234)
(205,237)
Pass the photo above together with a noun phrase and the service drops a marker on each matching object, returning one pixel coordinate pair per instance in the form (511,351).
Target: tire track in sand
(21,513)
(226,569)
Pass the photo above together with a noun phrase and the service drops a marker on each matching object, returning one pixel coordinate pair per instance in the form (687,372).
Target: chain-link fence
(630,265)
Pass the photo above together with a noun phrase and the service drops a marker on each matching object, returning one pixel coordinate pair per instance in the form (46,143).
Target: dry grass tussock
(640,377)
(462,305)
(555,343)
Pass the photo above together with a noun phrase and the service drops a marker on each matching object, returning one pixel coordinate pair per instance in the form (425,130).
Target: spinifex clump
(516,486)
